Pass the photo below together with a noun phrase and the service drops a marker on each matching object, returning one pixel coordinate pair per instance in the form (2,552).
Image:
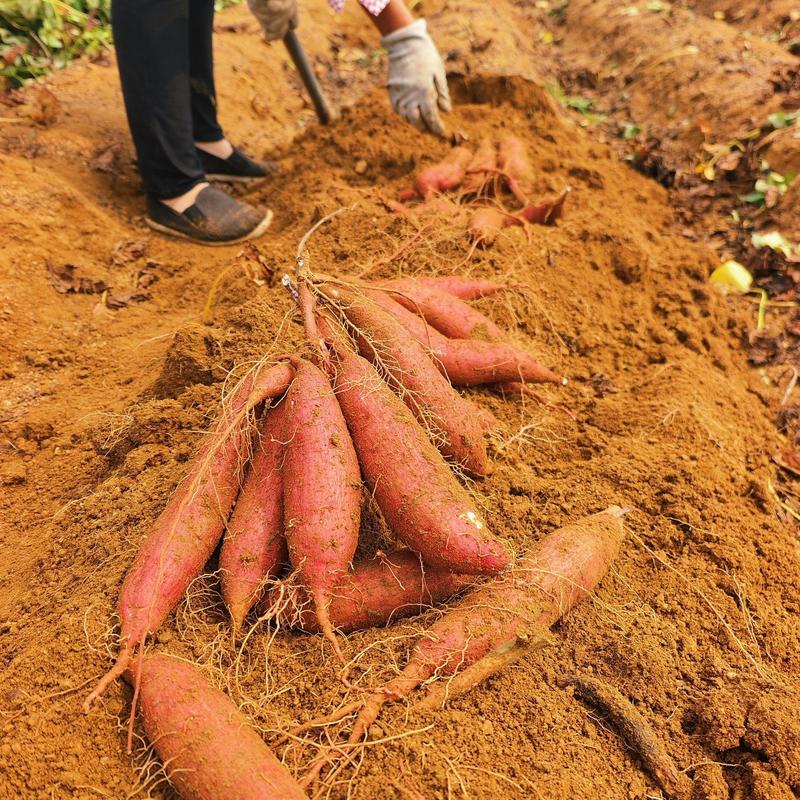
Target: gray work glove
(277,17)
(417,82)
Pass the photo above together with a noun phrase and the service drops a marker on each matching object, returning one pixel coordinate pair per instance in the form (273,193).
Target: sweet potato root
(485,225)
(377,592)
(516,169)
(321,489)
(468,362)
(546,211)
(481,169)
(416,491)
(450,316)
(423,388)
(205,743)
(189,529)
(254,546)
(560,571)
(464,287)
(444,176)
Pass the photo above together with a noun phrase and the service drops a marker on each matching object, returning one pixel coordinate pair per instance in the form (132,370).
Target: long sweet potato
(539,589)
(377,592)
(468,362)
(254,546)
(464,287)
(189,529)
(416,491)
(449,315)
(208,749)
(321,489)
(444,176)
(423,388)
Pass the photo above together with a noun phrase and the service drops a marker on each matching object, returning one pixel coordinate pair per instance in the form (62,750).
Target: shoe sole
(254,234)
(236,178)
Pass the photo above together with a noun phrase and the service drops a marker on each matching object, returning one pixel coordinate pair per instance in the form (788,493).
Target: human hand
(277,17)
(417,82)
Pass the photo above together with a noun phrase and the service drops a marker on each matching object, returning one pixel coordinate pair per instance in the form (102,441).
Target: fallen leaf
(789,459)
(730,161)
(128,250)
(64,278)
(47,108)
(11,55)
(480,45)
(107,158)
(121,298)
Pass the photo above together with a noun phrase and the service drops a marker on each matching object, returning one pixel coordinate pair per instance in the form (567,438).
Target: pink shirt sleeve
(373,6)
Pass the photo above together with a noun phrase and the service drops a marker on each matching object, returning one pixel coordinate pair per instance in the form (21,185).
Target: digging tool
(301,63)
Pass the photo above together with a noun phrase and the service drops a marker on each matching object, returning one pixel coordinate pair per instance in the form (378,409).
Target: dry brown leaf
(47,110)
(127,251)
(64,278)
(107,158)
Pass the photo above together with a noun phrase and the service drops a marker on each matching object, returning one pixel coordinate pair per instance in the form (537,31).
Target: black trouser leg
(201,69)
(152,39)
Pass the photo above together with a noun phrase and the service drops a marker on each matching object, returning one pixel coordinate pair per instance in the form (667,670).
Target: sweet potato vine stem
(634,729)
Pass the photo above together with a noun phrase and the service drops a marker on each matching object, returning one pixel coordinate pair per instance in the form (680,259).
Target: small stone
(360,167)
(165,637)
(487,727)
(375,732)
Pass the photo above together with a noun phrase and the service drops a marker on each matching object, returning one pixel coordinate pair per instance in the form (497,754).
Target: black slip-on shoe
(214,219)
(237,167)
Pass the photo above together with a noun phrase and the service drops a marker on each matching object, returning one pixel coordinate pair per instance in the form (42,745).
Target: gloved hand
(277,17)
(417,82)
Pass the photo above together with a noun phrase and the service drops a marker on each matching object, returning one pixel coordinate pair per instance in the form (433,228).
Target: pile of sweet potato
(279,482)
(485,181)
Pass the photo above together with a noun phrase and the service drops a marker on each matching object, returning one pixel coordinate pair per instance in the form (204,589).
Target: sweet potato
(424,390)
(416,491)
(444,176)
(537,591)
(449,315)
(377,592)
(485,225)
(321,489)
(516,169)
(464,287)
(208,749)
(254,546)
(547,211)
(468,362)
(481,169)
(189,529)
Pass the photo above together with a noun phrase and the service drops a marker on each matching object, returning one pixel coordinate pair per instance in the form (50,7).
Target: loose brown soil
(696,625)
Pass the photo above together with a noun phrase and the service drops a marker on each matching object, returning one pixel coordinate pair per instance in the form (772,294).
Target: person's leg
(152,44)
(208,135)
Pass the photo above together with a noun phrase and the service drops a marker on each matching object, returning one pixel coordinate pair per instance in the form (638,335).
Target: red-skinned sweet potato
(189,529)
(450,316)
(485,225)
(254,546)
(424,390)
(377,592)
(537,591)
(468,362)
(208,749)
(444,176)
(516,169)
(481,170)
(416,491)
(321,489)
(467,288)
